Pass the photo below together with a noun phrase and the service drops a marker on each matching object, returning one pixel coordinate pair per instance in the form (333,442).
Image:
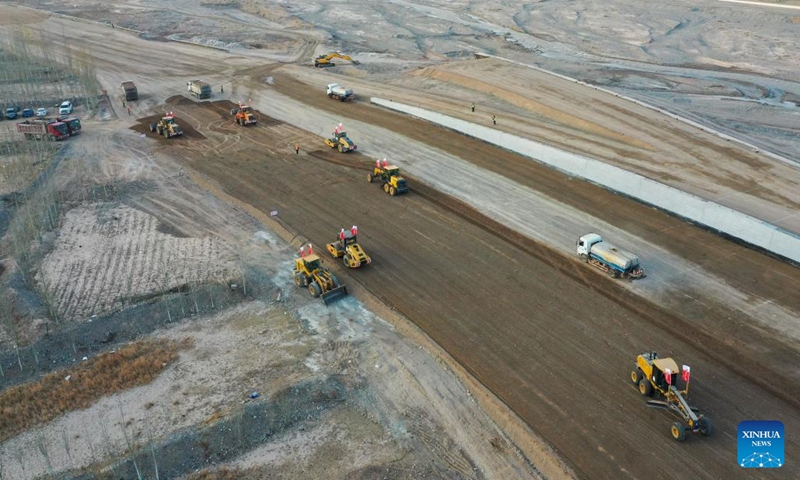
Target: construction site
(356,240)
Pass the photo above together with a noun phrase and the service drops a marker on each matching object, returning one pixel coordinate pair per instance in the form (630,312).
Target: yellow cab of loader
(309,273)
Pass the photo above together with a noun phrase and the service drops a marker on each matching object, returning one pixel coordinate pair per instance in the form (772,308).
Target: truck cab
(584,244)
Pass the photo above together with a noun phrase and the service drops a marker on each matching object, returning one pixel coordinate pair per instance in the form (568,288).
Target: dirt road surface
(549,336)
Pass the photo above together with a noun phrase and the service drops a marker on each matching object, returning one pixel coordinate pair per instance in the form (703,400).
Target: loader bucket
(332,295)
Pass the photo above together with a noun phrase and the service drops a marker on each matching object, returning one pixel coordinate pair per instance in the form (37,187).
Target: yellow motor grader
(389,176)
(348,249)
(309,273)
(660,375)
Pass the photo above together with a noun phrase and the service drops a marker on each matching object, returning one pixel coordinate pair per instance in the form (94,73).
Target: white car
(65,108)
(41,112)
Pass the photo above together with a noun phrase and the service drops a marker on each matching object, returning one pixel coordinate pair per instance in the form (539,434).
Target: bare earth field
(475,345)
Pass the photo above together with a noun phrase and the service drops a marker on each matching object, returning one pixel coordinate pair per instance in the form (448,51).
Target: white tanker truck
(608,258)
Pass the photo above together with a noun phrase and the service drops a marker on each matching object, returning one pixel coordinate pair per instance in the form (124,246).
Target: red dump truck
(43,130)
(73,125)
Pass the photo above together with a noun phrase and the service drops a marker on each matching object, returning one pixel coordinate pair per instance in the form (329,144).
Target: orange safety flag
(686,373)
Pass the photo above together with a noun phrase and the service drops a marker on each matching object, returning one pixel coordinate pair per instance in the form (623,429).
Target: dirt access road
(550,337)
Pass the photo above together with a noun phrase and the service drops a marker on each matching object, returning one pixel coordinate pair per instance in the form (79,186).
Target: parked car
(41,112)
(11,112)
(65,108)
(27,113)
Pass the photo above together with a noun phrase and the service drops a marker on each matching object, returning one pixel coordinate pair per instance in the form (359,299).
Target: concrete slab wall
(691,207)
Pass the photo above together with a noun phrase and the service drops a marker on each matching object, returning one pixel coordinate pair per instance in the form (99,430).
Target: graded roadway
(549,335)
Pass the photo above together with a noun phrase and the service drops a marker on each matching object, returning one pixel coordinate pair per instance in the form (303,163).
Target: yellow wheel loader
(653,375)
(348,249)
(389,176)
(320,282)
(244,115)
(167,127)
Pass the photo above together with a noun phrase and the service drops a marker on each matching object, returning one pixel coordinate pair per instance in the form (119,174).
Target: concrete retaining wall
(695,209)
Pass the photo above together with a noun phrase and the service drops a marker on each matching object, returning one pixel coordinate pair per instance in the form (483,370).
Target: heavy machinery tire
(335,281)
(584,258)
(370,177)
(152,127)
(346,260)
(392,191)
(645,388)
(300,280)
(314,289)
(166,133)
(678,431)
(636,375)
(706,427)
(386,187)
(341,148)
(611,272)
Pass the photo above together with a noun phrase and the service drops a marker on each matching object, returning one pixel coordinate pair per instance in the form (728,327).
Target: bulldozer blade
(333,295)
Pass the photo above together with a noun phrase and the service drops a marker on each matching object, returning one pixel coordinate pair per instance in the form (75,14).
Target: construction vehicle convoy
(43,130)
(389,175)
(199,88)
(340,140)
(244,115)
(660,375)
(323,61)
(130,91)
(309,273)
(608,258)
(167,126)
(338,92)
(347,248)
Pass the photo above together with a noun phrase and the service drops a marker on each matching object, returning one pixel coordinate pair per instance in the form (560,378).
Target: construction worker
(472,107)
(354,230)
(123,104)
(378,163)
(297,148)
(221,90)
(494,119)
(385,163)
(129,109)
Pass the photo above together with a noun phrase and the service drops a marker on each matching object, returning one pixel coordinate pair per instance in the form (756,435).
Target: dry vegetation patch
(25,406)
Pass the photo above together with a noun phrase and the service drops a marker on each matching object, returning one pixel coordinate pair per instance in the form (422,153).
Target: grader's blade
(333,295)
(658,404)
